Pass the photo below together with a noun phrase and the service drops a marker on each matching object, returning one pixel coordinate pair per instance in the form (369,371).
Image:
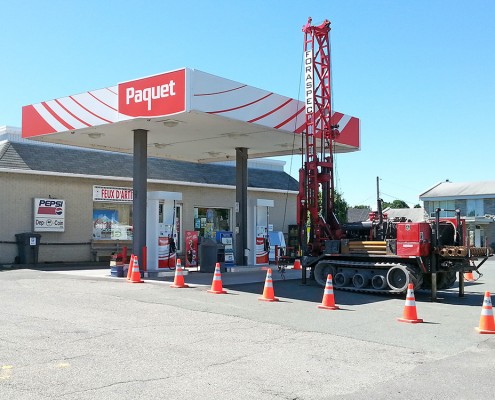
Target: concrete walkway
(235,276)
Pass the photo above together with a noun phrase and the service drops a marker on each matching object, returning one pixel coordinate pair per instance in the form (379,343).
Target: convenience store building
(187,116)
(96,190)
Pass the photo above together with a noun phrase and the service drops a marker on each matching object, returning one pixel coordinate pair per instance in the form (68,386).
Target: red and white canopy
(190,115)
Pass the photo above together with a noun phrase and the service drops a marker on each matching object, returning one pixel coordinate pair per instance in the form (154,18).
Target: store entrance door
(162,232)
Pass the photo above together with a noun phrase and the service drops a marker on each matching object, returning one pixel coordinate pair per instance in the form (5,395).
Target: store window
(112,221)
(209,220)
(112,213)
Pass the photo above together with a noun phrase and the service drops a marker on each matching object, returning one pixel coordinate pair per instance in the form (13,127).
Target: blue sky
(419,74)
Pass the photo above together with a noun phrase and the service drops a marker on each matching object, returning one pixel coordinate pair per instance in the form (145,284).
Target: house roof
(411,214)
(72,160)
(357,214)
(457,190)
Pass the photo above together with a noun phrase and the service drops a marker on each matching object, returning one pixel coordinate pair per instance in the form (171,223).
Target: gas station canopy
(189,115)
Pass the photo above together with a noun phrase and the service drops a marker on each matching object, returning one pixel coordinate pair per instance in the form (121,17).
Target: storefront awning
(190,115)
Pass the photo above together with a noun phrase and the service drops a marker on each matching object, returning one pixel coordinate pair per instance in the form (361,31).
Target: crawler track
(369,277)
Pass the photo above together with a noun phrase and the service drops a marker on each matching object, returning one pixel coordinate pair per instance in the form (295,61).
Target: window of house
(443,205)
(475,208)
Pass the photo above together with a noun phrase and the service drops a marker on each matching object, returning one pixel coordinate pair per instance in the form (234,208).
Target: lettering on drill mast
(154,96)
(308,81)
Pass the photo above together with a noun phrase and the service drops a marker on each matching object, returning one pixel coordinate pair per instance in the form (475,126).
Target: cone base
(265,299)
(179,286)
(217,291)
(329,307)
(411,321)
(485,331)
(136,281)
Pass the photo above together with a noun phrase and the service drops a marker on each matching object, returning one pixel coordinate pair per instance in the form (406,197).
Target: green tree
(417,206)
(395,204)
(341,207)
(362,207)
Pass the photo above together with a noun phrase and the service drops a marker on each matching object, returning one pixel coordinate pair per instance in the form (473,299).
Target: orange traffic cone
(179,277)
(216,285)
(487,322)
(297,264)
(136,274)
(410,314)
(129,270)
(328,302)
(468,276)
(268,293)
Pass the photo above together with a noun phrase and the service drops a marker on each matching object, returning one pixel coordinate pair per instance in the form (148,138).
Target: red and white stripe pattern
(487,306)
(268,279)
(216,285)
(328,301)
(206,93)
(78,111)
(487,321)
(216,275)
(179,277)
(230,99)
(268,291)
(410,300)
(178,268)
(329,286)
(410,315)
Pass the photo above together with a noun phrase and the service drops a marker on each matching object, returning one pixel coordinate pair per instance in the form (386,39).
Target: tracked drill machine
(379,255)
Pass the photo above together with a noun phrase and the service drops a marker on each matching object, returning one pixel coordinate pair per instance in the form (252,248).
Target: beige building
(32,171)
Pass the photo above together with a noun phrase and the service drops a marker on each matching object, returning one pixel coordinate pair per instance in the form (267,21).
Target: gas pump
(161,232)
(262,241)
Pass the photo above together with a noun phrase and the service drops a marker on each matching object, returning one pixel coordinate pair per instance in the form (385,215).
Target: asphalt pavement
(83,334)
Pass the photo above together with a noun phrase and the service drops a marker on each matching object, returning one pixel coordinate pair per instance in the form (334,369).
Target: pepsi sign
(49,215)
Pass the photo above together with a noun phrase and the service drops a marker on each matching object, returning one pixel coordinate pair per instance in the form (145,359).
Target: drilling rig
(379,255)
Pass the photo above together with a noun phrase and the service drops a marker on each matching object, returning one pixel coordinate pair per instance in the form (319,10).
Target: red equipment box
(405,249)
(413,239)
(413,232)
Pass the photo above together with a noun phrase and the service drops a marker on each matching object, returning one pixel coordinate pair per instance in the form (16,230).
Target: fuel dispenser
(162,234)
(262,240)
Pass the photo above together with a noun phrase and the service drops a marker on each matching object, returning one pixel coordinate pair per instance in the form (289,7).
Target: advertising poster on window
(192,248)
(103,223)
(49,215)
(166,252)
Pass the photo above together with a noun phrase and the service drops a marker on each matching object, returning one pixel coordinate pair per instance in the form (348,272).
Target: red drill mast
(319,139)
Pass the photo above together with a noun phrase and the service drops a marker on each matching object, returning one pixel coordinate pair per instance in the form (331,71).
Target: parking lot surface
(85,335)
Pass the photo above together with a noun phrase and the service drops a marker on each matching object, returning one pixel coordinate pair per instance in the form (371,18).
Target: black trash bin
(28,244)
(207,255)
(221,256)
